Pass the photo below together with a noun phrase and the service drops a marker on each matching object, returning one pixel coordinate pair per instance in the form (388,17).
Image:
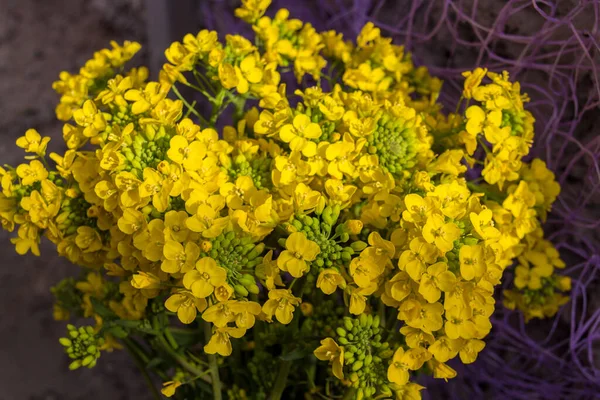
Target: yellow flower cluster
(348,191)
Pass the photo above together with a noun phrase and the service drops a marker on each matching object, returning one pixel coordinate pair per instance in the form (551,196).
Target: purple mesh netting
(553,49)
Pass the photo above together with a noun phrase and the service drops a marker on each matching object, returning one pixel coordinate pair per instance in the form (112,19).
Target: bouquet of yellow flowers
(348,223)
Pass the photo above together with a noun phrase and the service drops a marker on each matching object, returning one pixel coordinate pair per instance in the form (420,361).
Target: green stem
(188,105)
(349,394)
(281,381)
(212,363)
(138,362)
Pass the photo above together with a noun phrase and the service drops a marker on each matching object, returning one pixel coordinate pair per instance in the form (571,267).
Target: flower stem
(349,394)
(281,381)
(139,363)
(212,363)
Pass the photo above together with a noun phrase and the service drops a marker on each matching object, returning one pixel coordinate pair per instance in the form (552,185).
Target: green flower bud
(343,340)
(254,289)
(341,332)
(376,322)
(240,290)
(357,365)
(363,320)
(358,246)
(348,323)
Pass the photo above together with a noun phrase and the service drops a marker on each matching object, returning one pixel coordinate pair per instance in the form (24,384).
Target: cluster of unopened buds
(335,219)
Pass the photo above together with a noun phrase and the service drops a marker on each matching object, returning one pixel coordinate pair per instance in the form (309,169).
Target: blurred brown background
(38,39)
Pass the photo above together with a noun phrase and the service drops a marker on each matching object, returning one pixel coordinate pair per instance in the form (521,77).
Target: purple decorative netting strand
(553,49)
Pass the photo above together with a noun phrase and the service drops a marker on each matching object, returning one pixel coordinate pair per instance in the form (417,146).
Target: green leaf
(155,362)
(117,332)
(101,309)
(296,354)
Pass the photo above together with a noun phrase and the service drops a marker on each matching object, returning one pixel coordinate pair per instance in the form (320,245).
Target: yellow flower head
(203,280)
(330,351)
(299,251)
(281,304)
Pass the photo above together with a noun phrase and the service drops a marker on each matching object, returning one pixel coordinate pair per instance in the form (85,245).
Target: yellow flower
(442,371)
(227,76)
(131,221)
(185,305)
(281,303)
(358,298)
(157,187)
(175,227)
(473,80)
(203,280)
(418,209)
(458,324)
(90,119)
(469,352)
(427,317)
(436,280)
(190,155)
(472,262)
(88,239)
(143,100)
(252,10)
(178,258)
(268,268)
(128,185)
(380,250)
(219,341)
(169,388)
(414,261)
(32,142)
(298,132)
(484,224)
(329,280)
(207,221)
(245,313)
(224,292)
(440,233)
(32,172)
(445,348)
(299,251)
(144,280)
(305,199)
(330,351)
(365,270)
(398,370)
(248,72)
(340,155)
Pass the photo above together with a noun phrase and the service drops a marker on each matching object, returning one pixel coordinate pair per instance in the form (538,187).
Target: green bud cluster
(263,368)
(82,345)
(144,153)
(259,169)
(73,214)
(333,253)
(365,353)
(239,256)
(324,319)
(394,144)
(236,393)
(516,121)
(21,191)
(452,257)
(539,296)
(122,117)
(328,129)
(175,204)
